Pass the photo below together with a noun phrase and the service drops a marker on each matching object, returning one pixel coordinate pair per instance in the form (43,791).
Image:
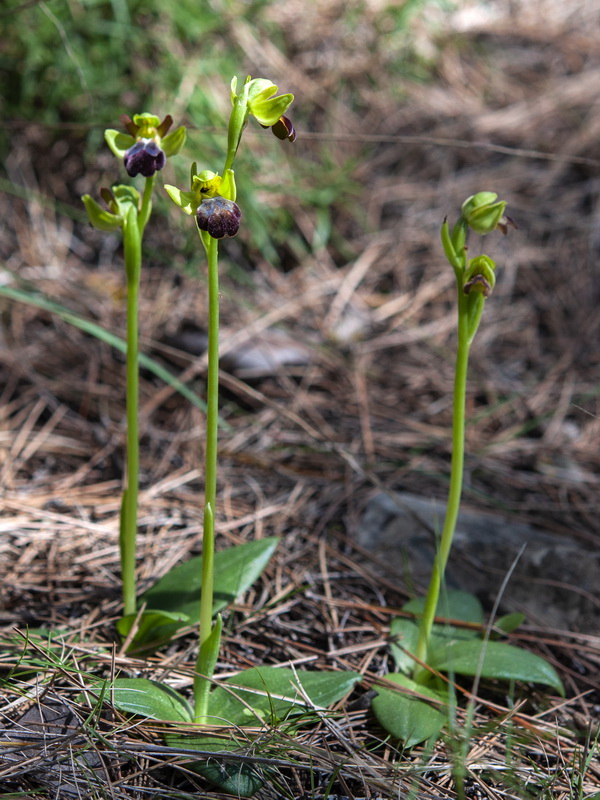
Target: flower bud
(219,217)
(119,200)
(483,213)
(480,276)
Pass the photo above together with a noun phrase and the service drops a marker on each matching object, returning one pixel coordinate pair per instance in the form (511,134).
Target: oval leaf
(406,717)
(498,660)
(404,634)
(453,605)
(271,693)
(236,569)
(154,629)
(239,778)
(509,622)
(148,699)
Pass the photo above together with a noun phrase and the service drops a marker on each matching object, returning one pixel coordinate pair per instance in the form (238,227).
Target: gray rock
(555,582)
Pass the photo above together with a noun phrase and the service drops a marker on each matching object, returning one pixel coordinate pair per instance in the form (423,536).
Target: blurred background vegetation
(71,68)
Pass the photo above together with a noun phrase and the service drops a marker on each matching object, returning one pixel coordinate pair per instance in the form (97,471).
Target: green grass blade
(93,329)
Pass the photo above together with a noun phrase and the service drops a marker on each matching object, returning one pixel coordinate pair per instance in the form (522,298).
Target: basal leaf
(499,660)
(236,569)
(237,777)
(271,693)
(453,605)
(147,698)
(404,634)
(154,629)
(406,716)
(509,622)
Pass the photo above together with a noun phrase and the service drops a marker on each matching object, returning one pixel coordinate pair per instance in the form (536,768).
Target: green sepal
(481,267)
(118,142)
(145,120)
(478,282)
(237,119)
(261,103)
(187,201)
(100,217)
(174,141)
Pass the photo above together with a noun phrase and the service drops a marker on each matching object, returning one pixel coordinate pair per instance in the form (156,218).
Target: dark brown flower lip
(283,129)
(145,158)
(219,217)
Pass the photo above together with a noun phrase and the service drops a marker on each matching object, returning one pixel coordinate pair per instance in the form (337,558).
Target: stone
(555,580)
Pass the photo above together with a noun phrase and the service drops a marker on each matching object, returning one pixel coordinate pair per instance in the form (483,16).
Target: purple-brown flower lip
(144,157)
(283,129)
(218,217)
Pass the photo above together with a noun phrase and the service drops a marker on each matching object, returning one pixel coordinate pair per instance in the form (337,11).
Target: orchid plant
(425,651)
(144,150)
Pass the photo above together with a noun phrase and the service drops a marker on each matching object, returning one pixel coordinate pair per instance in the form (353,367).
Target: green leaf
(236,569)
(155,628)
(406,717)
(147,698)
(499,661)
(510,622)
(405,634)
(271,693)
(454,605)
(238,778)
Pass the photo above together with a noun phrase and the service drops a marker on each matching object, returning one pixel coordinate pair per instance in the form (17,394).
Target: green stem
(133,261)
(207,655)
(456,479)
(146,207)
